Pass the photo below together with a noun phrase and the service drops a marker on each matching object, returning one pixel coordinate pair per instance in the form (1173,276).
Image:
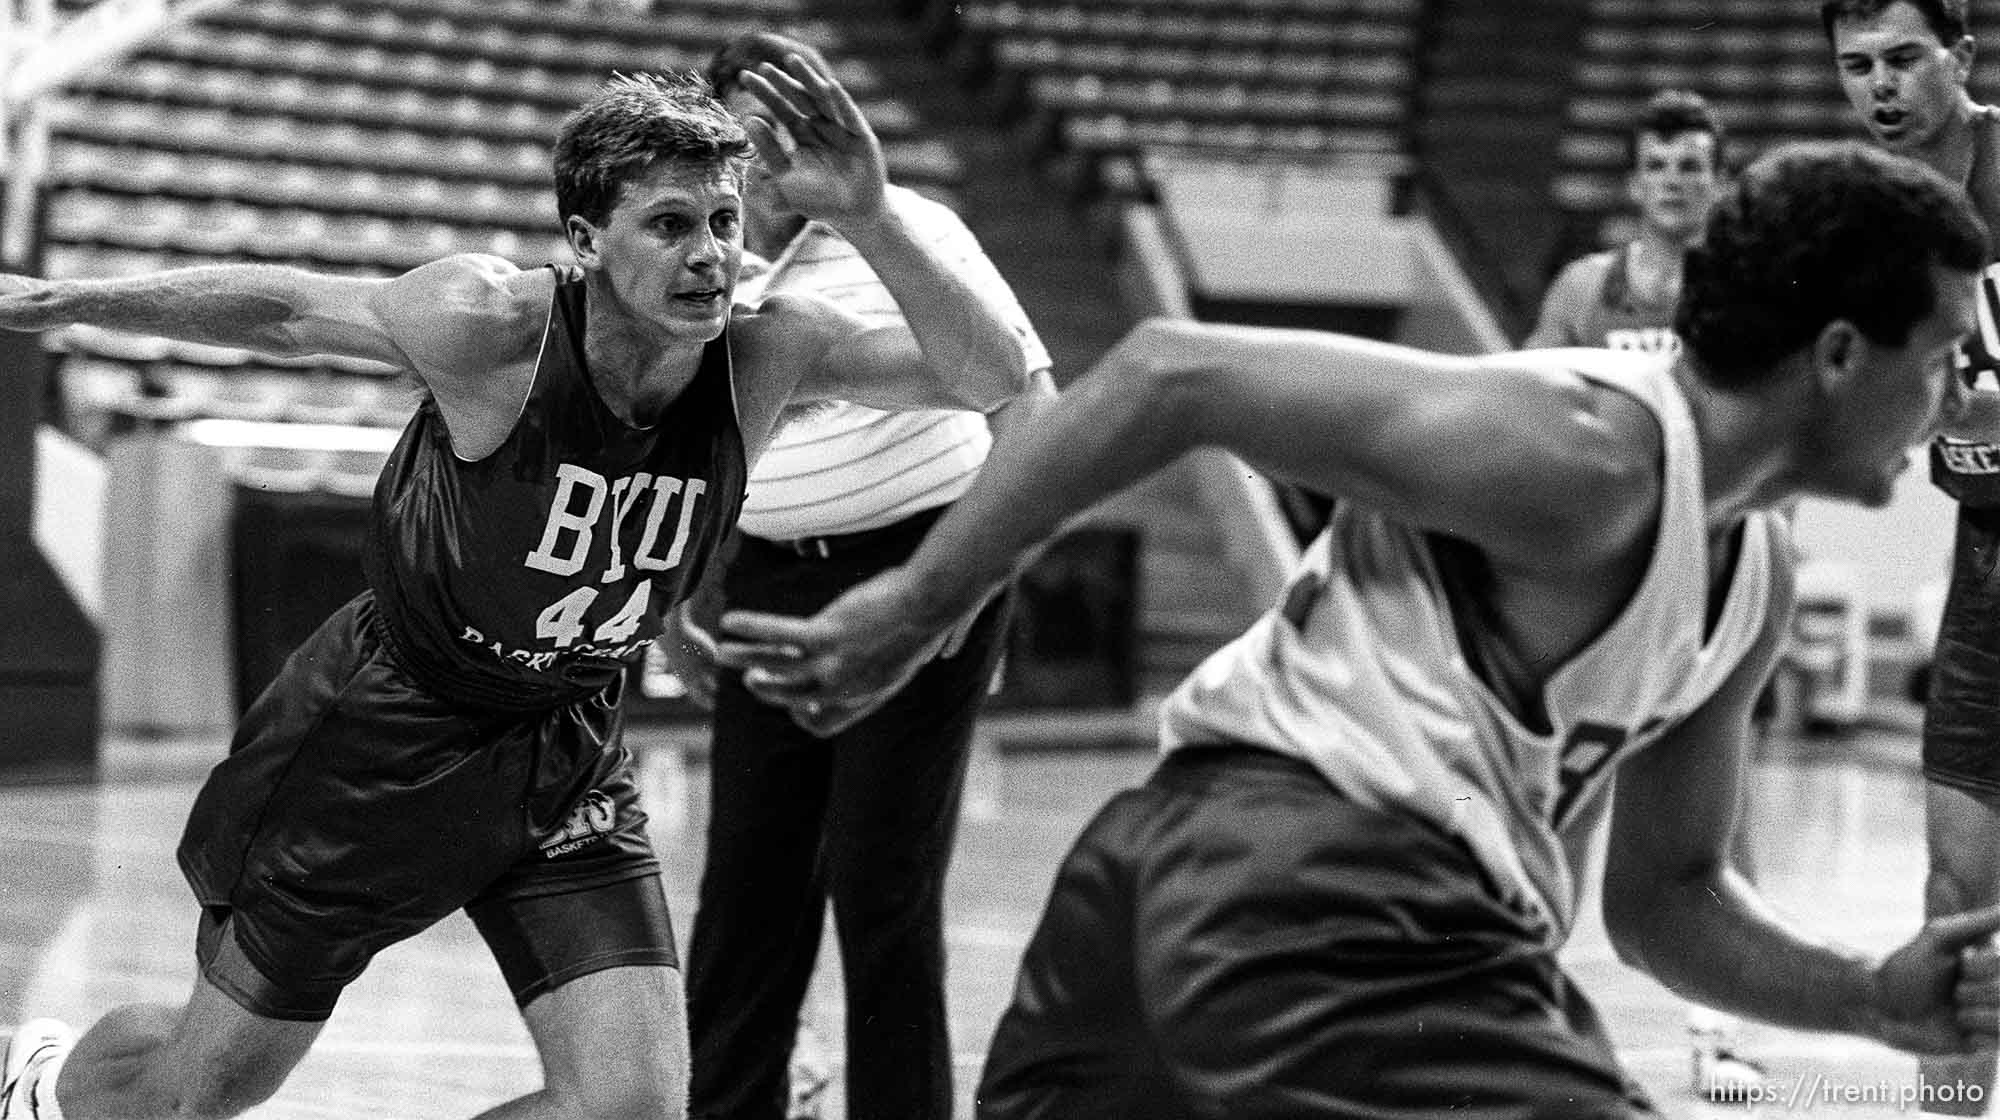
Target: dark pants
(1235,939)
(867,819)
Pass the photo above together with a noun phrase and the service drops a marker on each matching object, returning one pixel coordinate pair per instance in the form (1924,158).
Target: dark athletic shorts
(1234,938)
(1961,742)
(355,809)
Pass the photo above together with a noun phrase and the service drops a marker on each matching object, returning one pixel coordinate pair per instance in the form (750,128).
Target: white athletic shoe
(1721,1075)
(35,1043)
(810,1076)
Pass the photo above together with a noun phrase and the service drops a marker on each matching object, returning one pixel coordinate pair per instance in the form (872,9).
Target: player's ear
(582,238)
(1838,353)
(1961,58)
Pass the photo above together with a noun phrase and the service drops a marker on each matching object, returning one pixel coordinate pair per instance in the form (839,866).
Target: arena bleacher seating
(1098,85)
(365,137)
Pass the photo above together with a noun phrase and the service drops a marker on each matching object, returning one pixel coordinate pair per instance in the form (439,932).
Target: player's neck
(1743,467)
(638,374)
(1654,265)
(1951,151)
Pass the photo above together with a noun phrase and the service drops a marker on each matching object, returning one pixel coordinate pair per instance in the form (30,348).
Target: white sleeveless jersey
(1360,673)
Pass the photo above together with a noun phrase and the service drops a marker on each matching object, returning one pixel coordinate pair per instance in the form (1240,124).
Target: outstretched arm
(958,348)
(271,309)
(441,320)
(1677,909)
(1533,464)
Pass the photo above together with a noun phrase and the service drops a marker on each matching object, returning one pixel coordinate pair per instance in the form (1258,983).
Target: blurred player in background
(1624,298)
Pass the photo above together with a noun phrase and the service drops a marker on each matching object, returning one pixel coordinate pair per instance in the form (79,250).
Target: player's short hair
(1813,233)
(1669,113)
(751,50)
(632,120)
(1947,18)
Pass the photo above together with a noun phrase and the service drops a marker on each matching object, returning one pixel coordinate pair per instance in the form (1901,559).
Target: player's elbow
(980,370)
(1144,385)
(275,327)
(1163,363)
(1639,921)
(1152,391)
(1648,908)
(995,375)
(1628,922)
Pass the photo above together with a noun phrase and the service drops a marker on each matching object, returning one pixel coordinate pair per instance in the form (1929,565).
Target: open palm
(828,163)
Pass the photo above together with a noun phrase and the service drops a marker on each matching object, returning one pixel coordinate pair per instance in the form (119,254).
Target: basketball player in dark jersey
(1343,891)
(1903,65)
(1624,298)
(451,739)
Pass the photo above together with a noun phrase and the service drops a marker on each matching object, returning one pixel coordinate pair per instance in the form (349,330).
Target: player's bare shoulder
(465,313)
(775,346)
(788,325)
(1597,393)
(1600,442)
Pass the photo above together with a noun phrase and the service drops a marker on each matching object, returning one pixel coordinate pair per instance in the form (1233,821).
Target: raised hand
(832,669)
(828,163)
(1940,993)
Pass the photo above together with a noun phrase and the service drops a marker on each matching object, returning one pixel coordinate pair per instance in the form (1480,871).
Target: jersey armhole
(550,318)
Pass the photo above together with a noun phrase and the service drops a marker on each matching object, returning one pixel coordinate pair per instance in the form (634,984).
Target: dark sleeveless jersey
(1969,470)
(531,577)
(1594,304)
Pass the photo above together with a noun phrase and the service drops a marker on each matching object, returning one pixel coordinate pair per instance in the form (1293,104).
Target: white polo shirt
(843,467)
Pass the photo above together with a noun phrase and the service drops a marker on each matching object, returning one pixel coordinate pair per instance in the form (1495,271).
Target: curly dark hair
(632,120)
(1669,113)
(1947,18)
(1818,232)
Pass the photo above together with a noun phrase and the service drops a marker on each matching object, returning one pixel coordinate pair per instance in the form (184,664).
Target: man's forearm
(1117,424)
(1718,942)
(1963,831)
(965,336)
(225,305)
